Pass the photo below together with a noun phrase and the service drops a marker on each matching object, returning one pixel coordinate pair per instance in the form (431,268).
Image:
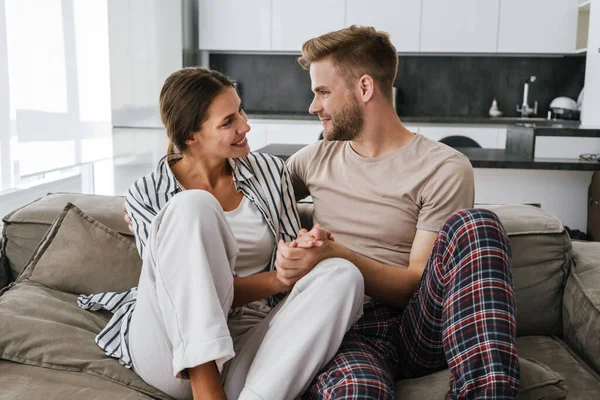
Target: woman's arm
(141,211)
(256,287)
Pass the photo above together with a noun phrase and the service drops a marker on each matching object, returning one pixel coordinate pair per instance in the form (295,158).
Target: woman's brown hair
(185,98)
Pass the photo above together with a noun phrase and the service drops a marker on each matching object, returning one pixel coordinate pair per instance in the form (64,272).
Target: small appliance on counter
(564,108)
(494,111)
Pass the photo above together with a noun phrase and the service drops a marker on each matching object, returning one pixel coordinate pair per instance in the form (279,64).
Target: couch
(65,244)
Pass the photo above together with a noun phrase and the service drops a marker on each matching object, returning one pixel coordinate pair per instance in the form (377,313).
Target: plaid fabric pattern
(461,316)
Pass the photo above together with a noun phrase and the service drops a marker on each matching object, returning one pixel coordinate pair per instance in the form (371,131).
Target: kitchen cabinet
(234,25)
(462,26)
(145,47)
(294,22)
(297,132)
(486,137)
(257,137)
(384,15)
(537,26)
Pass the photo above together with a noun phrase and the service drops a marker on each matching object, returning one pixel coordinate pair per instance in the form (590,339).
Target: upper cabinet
(400,18)
(460,26)
(537,26)
(294,22)
(428,26)
(234,25)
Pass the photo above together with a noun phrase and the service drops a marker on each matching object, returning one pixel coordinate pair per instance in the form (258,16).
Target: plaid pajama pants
(461,316)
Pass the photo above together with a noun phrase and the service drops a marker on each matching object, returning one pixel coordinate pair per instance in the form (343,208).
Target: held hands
(298,258)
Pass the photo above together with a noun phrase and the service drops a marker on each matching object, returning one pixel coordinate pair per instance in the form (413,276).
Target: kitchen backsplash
(428,86)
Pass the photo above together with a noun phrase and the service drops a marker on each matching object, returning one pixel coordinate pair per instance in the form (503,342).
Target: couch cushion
(26,382)
(44,327)
(549,369)
(581,305)
(581,381)
(538,381)
(79,255)
(541,259)
(25,227)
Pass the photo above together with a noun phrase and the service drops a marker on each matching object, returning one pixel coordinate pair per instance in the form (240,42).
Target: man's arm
(390,284)
(297,165)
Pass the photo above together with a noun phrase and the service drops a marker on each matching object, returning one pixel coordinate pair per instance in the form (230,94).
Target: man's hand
(293,262)
(313,238)
(126,218)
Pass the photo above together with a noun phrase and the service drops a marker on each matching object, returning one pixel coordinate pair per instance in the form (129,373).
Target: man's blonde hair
(356,51)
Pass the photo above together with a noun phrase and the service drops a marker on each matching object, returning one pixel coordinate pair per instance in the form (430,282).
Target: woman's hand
(313,238)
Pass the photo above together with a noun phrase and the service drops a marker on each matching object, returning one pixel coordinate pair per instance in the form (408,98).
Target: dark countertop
(423,120)
(557,129)
(480,158)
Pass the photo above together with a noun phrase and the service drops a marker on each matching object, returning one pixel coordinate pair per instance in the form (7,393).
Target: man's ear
(366,86)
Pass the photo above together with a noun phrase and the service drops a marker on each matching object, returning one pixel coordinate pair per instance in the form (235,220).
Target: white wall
(591,102)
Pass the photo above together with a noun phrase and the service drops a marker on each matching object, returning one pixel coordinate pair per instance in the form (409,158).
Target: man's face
(334,103)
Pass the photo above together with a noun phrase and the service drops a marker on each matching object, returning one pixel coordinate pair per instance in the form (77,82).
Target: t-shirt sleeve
(449,189)
(297,165)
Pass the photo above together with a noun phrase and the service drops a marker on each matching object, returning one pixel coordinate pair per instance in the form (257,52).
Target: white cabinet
(385,15)
(486,137)
(294,22)
(537,26)
(464,26)
(296,132)
(145,47)
(257,137)
(234,25)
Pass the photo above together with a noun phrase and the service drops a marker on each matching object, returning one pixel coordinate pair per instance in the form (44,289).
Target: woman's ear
(193,138)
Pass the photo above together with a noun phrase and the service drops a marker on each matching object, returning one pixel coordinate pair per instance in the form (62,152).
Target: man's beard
(346,124)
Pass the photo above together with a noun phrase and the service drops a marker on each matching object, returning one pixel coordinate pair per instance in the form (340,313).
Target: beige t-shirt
(374,206)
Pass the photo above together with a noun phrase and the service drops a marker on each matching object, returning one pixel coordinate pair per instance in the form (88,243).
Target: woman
(206,320)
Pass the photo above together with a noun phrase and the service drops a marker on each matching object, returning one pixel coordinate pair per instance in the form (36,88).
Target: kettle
(564,108)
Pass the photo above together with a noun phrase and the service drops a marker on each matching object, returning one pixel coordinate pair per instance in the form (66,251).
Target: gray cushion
(44,327)
(581,381)
(25,227)
(541,258)
(26,382)
(538,381)
(581,306)
(80,255)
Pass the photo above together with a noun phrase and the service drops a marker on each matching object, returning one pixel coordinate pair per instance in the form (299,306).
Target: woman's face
(223,134)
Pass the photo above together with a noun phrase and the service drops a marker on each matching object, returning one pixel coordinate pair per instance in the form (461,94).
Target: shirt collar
(242,170)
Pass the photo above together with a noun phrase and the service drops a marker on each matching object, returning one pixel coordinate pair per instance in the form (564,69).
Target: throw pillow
(79,255)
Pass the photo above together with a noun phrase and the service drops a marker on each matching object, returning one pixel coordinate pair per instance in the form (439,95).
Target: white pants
(185,295)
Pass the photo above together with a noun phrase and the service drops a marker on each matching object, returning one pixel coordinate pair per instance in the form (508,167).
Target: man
(399,206)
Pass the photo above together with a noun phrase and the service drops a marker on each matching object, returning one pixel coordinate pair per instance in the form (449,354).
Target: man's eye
(227,123)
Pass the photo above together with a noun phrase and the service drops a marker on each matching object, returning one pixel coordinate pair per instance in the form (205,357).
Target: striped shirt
(262,178)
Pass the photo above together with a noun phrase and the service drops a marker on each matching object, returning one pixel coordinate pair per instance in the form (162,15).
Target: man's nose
(315,107)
